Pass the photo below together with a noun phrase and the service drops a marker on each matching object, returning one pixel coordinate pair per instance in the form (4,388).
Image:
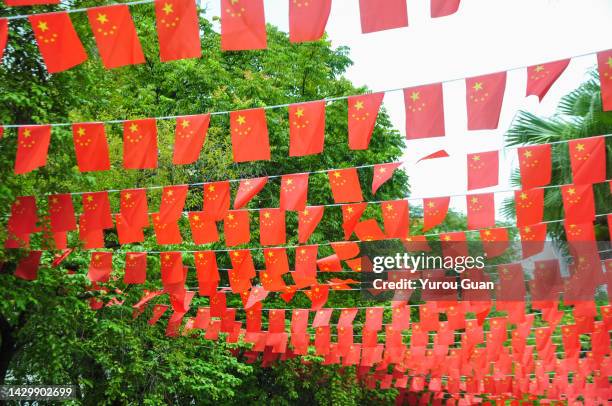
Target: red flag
(351,213)
(100,266)
(243,25)
(383,173)
(579,232)
(247,190)
(294,191)
(61,213)
(166,233)
(32,147)
(27,269)
(484,97)
(115,35)
(396,218)
(135,268)
(203,229)
(438,154)
(308,220)
(588,159)
(178,30)
(140,144)
(134,208)
(307,19)
(540,78)
(249,135)
(305,266)
(57,40)
(190,131)
(91,237)
(236,228)
(207,273)
(362,113)
(529,205)
(172,203)
(272,227)
(368,230)
(532,239)
(480,211)
(242,263)
(494,241)
(578,203)
(171,267)
(394,14)
(604,66)
(318,296)
(306,128)
(424,111)
(216,200)
(535,165)
(483,169)
(276,261)
(345,250)
(96,210)
(91,147)
(443,8)
(126,232)
(158,312)
(434,211)
(3,39)
(345,185)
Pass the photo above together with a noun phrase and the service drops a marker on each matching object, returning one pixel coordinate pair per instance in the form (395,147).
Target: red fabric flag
(294,191)
(588,159)
(216,200)
(3,40)
(272,227)
(166,233)
(396,218)
(394,14)
(236,228)
(276,261)
(171,267)
(91,237)
(483,169)
(443,8)
(207,272)
(127,233)
(345,250)
(351,213)
(540,78)
(306,128)
(178,30)
(247,190)
(494,241)
(362,113)
(308,220)
(383,173)
(190,131)
(578,203)
(115,35)
(27,269)
(23,216)
(96,210)
(140,144)
(32,148)
(368,230)
(535,165)
(134,208)
(345,185)
(243,25)
(424,111)
(203,229)
(242,262)
(484,97)
(438,154)
(100,266)
(305,266)
(480,211)
(604,66)
(249,131)
(318,296)
(307,19)
(532,239)
(329,264)
(434,211)
(61,213)
(91,147)
(158,312)
(135,268)
(172,203)
(529,205)
(57,40)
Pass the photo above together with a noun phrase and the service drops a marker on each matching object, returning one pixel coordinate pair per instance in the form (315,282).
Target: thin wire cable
(76,10)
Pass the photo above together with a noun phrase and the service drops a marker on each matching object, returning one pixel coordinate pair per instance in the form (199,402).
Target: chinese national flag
(443,8)
(216,200)
(242,263)
(578,203)
(579,232)
(126,232)
(318,296)
(484,97)
(249,135)
(351,213)
(236,228)
(27,268)
(100,266)
(383,173)
(272,227)
(166,233)
(307,19)
(276,261)
(604,65)
(535,165)
(243,25)
(134,208)
(207,272)
(540,78)
(345,185)
(424,111)
(203,229)
(308,220)
(396,218)
(178,29)
(91,237)
(135,268)
(532,239)
(368,230)
(96,210)
(454,244)
(57,40)
(61,213)
(434,211)
(494,241)
(294,191)
(32,148)
(306,128)
(140,144)
(588,160)
(115,35)
(529,205)
(377,17)
(91,147)
(483,169)
(362,113)
(189,134)
(3,38)
(345,250)
(171,267)
(172,203)
(158,312)
(305,266)
(247,189)
(480,211)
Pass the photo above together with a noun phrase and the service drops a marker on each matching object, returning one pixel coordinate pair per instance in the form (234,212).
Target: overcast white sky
(484,36)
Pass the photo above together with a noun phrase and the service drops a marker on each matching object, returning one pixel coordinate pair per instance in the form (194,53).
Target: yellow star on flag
(43,26)
(580,147)
(168,8)
(358,105)
(133,127)
(477,86)
(185,123)
(241,120)
(299,112)
(81,131)
(527,154)
(415,96)
(539,68)
(609,62)
(476,158)
(102,19)
(27,133)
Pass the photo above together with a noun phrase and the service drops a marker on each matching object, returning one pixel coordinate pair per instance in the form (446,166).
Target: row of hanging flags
(243,27)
